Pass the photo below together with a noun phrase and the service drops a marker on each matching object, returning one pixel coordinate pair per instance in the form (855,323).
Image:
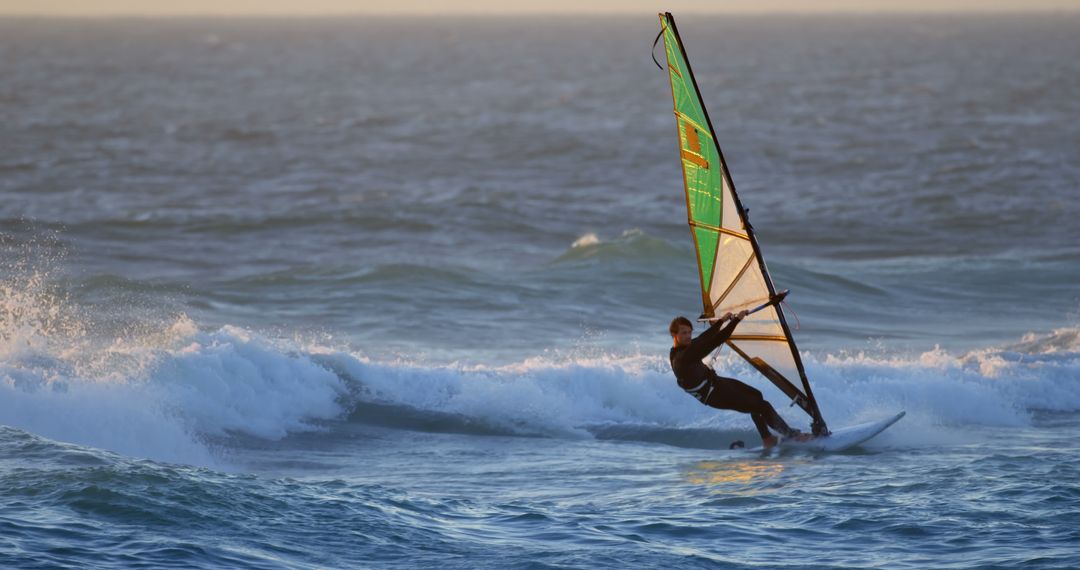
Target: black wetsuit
(718,392)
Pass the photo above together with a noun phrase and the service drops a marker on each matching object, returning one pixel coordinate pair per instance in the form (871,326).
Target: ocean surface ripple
(392,293)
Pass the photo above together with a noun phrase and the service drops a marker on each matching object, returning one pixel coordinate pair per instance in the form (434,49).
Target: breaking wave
(178,394)
(171,390)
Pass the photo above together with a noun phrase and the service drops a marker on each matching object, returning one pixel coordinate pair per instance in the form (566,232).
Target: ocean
(394,292)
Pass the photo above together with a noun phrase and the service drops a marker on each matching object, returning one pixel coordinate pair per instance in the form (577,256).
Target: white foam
(586,240)
(939,391)
(533,396)
(160,394)
(161,398)
(125,418)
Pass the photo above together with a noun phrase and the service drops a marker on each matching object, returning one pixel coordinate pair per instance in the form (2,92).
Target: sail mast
(710,219)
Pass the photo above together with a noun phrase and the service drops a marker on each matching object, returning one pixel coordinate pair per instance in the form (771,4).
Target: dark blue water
(393,293)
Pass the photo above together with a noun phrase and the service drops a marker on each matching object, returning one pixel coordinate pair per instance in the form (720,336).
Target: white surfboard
(841,439)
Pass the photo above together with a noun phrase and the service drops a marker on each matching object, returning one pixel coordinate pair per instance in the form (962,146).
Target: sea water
(351,293)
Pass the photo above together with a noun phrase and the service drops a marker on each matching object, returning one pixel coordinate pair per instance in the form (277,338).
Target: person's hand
(741,315)
(727,317)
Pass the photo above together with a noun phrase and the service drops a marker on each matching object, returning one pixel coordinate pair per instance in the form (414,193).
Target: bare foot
(769,441)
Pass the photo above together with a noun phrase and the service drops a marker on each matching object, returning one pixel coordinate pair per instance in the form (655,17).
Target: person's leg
(761,425)
(730,394)
(774,420)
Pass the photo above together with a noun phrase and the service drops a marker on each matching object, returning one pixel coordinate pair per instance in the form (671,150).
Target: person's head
(682,330)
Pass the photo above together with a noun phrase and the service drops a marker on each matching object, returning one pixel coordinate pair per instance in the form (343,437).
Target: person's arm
(713,337)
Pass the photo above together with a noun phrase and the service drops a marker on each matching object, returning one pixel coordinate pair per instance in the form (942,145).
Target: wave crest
(167,394)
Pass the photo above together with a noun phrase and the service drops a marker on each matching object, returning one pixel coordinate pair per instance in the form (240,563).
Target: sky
(432,7)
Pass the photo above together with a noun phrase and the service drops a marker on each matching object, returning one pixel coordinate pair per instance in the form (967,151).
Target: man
(716,391)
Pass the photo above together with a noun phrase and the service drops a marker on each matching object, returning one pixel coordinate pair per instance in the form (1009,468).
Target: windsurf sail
(732,271)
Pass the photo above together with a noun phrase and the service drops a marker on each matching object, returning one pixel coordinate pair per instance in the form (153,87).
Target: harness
(703,390)
(697,391)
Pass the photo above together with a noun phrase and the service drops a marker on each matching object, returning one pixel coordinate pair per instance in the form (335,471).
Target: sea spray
(158,390)
(166,399)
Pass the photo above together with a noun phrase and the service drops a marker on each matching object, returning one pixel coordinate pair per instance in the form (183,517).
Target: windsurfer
(702,382)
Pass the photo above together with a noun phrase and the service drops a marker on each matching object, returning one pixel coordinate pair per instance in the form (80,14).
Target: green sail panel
(733,275)
(706,242)
(703,173)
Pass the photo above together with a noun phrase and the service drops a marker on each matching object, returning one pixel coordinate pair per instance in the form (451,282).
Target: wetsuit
(718,392)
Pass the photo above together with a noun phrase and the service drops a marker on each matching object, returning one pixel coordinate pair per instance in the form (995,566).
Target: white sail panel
(747,291)
(775,353)
(734,258)
(763,323)
(731,218)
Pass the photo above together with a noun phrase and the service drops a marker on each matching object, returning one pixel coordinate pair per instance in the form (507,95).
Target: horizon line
(545,13)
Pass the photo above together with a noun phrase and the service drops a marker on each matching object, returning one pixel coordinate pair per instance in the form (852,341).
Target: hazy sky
(309,7)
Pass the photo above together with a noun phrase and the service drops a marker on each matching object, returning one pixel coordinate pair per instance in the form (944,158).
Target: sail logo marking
(692,140)
(692,152)
(696,159)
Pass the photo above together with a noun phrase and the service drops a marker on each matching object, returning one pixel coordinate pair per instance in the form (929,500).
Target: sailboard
(839,440)
(731,269)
